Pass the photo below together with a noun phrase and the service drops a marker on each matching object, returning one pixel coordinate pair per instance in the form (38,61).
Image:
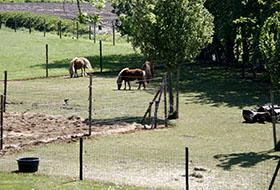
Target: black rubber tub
(28,164)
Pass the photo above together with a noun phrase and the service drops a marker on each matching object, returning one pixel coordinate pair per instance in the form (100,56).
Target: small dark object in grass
(261,114)
(28,164)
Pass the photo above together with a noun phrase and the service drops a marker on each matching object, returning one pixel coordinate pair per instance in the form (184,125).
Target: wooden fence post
(273,117)
(47,60)
(15,24)
(165,102)
(77,24)
(94,33)
(81,158)
(0,21)
(150,107)
(90,104)
(29,25)
(89,32)
(5,90)
(59,30)
(73,29)
(187,168)
(154,123)
(2,117)
(101,61)
(177,91)
(113,26)
(44,27)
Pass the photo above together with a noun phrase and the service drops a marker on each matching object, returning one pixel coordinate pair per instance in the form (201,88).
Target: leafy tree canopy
(168,31)
(270,46)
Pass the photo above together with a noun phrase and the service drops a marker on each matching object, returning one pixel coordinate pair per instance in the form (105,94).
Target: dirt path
(63,10)
(23,130)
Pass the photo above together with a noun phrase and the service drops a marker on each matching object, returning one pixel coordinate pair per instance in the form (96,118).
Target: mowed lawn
(236,155)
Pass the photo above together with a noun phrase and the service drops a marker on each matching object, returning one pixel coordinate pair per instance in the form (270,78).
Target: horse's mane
(120,74)
(86,61)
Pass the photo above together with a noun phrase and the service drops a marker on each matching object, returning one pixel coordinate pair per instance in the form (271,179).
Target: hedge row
(37,22)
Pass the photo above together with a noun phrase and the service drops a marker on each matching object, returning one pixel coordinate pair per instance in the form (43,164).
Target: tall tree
(270,48)
(168,31)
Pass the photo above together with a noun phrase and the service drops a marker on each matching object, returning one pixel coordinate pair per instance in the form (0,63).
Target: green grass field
(235,155)
(30,59)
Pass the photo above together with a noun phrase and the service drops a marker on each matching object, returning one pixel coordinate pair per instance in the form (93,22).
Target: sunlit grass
(24,55)
(236,155)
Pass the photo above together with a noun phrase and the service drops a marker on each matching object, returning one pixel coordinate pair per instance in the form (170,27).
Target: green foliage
(270,46)
(83,17)
(167,31)
(37,22)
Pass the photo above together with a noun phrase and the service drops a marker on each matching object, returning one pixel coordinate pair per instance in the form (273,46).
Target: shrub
(37,22)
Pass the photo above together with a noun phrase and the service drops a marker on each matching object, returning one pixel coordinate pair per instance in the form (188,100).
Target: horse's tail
(87,63)
(144,78)
(119,80)
(72,67)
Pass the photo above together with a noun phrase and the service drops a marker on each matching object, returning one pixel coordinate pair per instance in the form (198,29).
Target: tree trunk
(245,55)
(229,50)
(78,5)
(215,46)
(275,140)
(171,104)
(177,92)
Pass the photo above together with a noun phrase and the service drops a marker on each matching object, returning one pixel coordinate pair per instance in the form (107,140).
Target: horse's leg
(85,73)
(76,73)
(124,85)
(129,85)
(139,84)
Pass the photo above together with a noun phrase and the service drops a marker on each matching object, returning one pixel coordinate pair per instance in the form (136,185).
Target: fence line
(59,29)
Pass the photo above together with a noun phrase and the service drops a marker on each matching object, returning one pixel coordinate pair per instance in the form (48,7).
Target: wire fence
(33,107)
(139,166)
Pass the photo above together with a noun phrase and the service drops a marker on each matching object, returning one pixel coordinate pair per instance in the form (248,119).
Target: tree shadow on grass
(200,83)
(110,63)
(218,86)
(244,160)
(123,120)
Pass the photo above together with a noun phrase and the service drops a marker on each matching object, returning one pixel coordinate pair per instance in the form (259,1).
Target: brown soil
(22,130)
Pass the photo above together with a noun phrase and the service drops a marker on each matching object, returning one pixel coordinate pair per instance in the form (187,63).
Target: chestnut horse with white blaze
(130,75)
(79,63)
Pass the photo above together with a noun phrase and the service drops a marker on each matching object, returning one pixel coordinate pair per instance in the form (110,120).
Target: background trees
(238,26)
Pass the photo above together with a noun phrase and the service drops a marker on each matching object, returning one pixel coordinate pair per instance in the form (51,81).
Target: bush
(37,22)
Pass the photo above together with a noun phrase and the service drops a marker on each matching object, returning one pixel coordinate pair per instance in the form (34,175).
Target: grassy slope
(210,123)
(24,56)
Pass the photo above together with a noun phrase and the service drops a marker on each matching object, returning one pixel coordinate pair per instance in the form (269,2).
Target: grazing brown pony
(130,75)
(148,68)
(79,63)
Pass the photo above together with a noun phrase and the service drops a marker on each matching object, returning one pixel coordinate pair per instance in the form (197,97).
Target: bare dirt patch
(22,130)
